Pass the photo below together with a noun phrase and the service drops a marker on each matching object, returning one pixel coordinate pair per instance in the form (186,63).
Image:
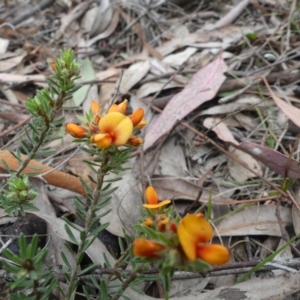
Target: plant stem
(88,221)
(128,281)
(31,155)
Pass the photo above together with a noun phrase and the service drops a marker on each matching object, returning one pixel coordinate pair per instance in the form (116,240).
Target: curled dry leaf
(56,178)
(124,204)
(215,124)
(275,160)
(172,188)
(97,18)
(296,207)
(46,212)
(202,87)
(292,112)
(238,172)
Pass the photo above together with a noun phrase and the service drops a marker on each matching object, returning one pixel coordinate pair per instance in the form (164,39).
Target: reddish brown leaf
(275,160)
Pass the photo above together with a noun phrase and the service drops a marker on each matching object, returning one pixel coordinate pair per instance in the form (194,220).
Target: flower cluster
(113,128)
(164,234)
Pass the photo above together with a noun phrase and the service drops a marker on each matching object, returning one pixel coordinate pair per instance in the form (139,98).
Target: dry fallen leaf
(255,220)
(275,160)
(292,112)
(215,124)
(56,178)
(202,87)
(275,288)
(238,172)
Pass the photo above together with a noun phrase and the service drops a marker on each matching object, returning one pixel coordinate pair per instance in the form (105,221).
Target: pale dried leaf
(255,220)
(3,45)
(153,87)
(97,18)
(95,251)
(107,32)
(202,87)
(179,58)
(296,208)
(124,205)
(215,124)
(10,63)
(15,78)
(103,75)
(191,287)
(237,171)
(275,288)
(133,75)
(167,165)
(172,188)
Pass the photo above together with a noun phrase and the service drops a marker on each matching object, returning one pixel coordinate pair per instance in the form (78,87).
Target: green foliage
(28,272)
(18,196)
(30,278)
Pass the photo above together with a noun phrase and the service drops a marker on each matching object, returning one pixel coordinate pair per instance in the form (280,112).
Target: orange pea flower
(115,128)
(119,107)
(193,233)
(152,199)
(147,248)
(95,108)
(135,141)
(76,130)
(142,124)
(53,65)
(137,116)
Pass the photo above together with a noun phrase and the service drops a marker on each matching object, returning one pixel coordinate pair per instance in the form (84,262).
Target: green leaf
(266,260)
(70,234)
(64,258)
(86,270)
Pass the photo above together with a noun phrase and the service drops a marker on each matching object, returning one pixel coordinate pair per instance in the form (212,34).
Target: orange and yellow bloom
(152,199)
(194,232)
(113,128)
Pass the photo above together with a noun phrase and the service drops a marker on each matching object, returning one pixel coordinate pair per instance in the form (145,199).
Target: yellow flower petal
(158,205)
(146,248)
(102,140)
(118,126)
(113,108)
(214,254)
(148,222)
(123,132)
(151,195)
(76,130)
(121,108)
(192,230)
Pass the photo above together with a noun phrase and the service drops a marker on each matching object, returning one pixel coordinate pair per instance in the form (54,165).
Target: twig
(284,233)
(32,10)
(242,163)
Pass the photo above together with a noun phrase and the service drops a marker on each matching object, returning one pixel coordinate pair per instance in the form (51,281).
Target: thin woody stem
(89,217)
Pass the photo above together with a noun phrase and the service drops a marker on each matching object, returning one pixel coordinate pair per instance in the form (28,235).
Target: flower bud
(76,130)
